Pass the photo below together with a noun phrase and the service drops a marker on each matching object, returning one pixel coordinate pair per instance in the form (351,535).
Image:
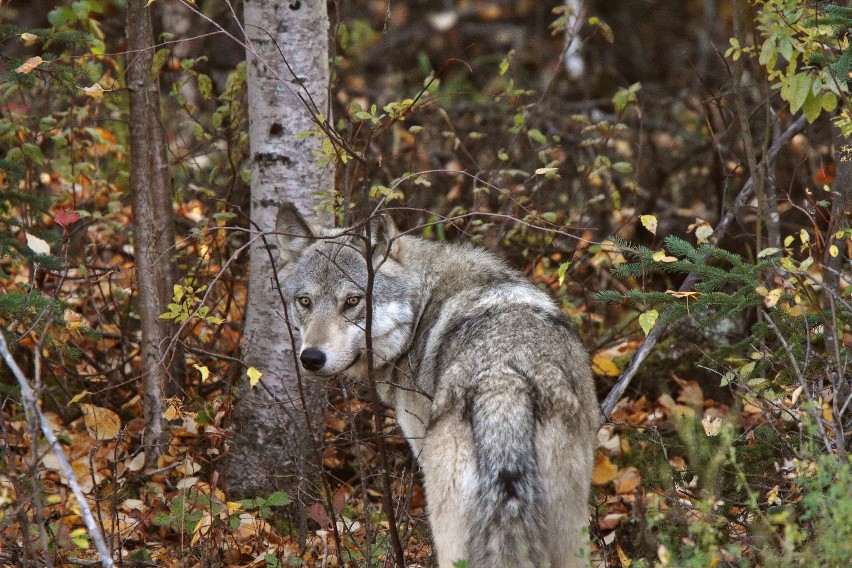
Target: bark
(153,220)
(273,423)
(574,63)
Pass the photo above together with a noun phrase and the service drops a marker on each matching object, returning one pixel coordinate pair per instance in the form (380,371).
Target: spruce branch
(721,228)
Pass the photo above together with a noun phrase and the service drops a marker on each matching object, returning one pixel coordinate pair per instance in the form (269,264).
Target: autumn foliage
(729,447)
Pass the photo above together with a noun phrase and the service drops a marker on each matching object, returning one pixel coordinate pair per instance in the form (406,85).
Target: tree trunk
(153,220)
(272,446)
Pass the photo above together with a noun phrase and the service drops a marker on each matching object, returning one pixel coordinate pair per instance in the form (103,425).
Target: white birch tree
(288,82)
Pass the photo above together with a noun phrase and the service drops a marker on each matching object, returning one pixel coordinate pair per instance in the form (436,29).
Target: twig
(31,408)
(814,409)
(650,341)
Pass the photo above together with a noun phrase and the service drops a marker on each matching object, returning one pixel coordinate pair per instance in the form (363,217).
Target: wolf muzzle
(312,359)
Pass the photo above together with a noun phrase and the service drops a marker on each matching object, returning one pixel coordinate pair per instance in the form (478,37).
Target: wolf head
(324,281)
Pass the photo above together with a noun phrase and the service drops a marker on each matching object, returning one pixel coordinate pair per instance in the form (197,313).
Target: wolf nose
(313,359)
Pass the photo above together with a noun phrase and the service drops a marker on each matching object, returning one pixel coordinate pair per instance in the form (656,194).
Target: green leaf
(535,135)
(829,101)
(278,499)
(161,519)
(812,107)
(563,268)
(798,88)
(625,168)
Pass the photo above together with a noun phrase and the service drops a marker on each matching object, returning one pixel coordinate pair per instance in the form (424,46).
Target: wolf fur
(490,383)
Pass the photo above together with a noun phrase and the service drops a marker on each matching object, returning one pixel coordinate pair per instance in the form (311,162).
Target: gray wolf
(490,383)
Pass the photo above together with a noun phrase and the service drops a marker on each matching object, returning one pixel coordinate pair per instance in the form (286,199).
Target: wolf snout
(312,359)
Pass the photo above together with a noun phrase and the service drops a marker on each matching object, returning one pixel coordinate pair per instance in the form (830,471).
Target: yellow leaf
(804,236)
(78,397)
(29,38)
(622,557)
(171,413)
(661,256)
(833,251)
(254,376)
(101,423)
(95,91)
(772,297)
(28,65)
(605,471)
(602,364)
(205,372)
(649,222)
(648,320)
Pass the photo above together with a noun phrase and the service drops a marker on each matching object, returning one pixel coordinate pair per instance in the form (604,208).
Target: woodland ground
(727,448)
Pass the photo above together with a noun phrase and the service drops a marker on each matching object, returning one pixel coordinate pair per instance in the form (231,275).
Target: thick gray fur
(490,383)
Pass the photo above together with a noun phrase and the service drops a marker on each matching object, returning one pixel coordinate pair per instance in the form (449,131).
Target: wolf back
(490,383)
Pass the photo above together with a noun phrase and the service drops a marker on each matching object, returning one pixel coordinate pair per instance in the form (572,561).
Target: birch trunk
(272,444)
(153,220)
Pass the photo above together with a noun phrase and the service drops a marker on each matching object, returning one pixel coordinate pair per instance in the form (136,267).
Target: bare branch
(32,410)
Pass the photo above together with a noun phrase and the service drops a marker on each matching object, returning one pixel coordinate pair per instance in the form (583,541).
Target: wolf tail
(510,512)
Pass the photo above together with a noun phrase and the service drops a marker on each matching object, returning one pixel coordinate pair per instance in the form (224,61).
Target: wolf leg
(449,475)
(566,467)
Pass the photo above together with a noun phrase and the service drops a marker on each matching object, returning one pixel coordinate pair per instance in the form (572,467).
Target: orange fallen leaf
(627,480)
(604,471)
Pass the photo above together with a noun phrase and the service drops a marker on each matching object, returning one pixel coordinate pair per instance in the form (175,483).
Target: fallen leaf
(101,423)
(602,364)
(622,557)
(604,471)
(627,480)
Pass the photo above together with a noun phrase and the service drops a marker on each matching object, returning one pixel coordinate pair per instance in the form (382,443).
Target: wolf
(490,383)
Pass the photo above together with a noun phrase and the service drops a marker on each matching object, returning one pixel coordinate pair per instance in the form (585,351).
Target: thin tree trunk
(272,446)
(153,220)
(832,267)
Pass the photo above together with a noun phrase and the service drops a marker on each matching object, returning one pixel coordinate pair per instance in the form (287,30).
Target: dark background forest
(678,176)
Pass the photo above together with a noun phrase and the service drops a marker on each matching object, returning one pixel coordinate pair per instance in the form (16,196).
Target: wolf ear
(294,233)
(384,239)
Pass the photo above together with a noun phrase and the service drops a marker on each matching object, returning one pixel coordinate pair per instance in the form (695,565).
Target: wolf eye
(304,301)
(353,301)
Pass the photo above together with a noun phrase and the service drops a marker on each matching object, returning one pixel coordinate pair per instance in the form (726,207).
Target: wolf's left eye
(353,301)
(304,301)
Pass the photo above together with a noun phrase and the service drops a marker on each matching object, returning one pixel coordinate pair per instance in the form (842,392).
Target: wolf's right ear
(293,232)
